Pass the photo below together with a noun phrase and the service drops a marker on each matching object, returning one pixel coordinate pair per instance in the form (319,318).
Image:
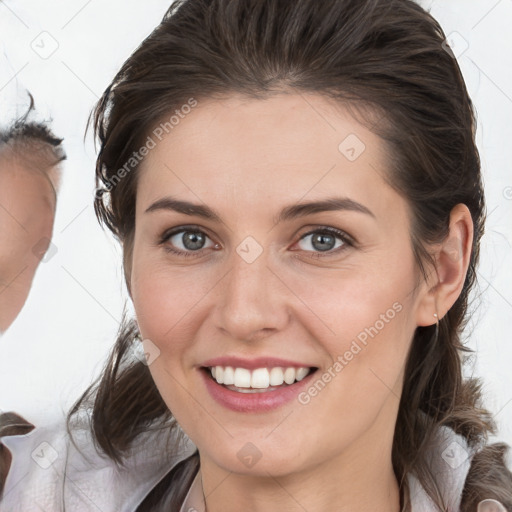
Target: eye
(185,241)
(326,241)
(190,241)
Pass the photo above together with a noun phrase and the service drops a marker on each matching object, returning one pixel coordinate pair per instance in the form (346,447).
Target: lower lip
(253,402)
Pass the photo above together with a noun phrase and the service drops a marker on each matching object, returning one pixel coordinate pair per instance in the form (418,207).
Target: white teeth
(229,376)
(242,378)
(289,375)
(301,373)
(276,376)
(261,378)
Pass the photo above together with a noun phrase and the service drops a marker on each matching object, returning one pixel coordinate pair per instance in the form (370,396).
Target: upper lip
(252,364)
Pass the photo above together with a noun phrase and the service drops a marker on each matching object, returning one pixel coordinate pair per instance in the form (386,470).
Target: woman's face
(267,283)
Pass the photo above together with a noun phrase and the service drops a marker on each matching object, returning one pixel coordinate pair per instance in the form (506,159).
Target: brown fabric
(11,424)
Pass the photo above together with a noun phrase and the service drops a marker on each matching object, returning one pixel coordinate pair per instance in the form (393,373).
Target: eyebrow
(288,213)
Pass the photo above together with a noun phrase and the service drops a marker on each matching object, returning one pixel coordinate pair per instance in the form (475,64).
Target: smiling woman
(299,248)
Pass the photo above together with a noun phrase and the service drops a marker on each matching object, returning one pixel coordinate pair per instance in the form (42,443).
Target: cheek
(368,356)
(356,304)
(168,304)
(365,322)
(165,304)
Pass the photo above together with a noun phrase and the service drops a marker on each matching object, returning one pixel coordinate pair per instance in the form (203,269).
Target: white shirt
(49,473)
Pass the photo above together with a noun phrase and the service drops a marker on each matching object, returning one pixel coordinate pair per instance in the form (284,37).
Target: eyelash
(346,239)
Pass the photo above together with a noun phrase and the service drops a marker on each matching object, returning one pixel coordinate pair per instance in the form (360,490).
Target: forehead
(24,186)
(240,150)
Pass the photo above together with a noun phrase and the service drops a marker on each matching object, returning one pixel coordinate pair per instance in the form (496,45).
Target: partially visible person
(30,175)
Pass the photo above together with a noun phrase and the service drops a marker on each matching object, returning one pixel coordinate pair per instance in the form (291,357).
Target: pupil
(323,239)
(193,240)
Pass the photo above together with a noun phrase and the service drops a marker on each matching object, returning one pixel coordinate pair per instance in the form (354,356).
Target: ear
(452,257)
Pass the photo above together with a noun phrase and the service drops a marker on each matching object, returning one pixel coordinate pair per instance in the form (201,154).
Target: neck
(283,495)
(356,480)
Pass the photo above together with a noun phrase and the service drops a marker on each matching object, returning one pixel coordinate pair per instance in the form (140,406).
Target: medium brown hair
(388,61)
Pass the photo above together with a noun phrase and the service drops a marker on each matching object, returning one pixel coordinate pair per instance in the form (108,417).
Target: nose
(252,302)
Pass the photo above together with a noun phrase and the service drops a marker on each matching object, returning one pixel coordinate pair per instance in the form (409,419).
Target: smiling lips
(243,379)
(256,385)
(259,390)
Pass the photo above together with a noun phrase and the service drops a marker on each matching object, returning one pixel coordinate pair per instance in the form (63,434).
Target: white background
(60,340)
